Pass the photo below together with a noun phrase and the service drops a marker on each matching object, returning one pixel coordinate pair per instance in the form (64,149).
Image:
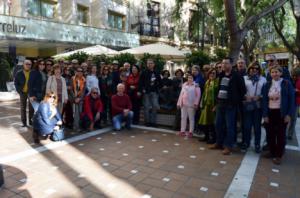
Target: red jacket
(87,109)
(133,81)
(119,103)
(297,86)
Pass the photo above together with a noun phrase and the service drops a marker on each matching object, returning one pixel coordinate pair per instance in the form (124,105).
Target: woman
(105,84)
(177,83)
(188,103)
(67,113)
(37,84)
(252,106)
(208,106)
(47,118)
(92,80)
(165,92)
(278,106)
(133,83)
(57,84)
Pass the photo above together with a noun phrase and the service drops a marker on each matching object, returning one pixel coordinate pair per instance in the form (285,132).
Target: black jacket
(20,81)
(236,88)
(145,82)
(36,85)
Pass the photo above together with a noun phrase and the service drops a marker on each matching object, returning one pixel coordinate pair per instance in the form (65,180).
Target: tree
(252,12)
(292,43)
(197,58)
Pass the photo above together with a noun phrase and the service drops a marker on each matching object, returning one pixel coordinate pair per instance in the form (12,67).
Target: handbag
(58,135)
(252,105)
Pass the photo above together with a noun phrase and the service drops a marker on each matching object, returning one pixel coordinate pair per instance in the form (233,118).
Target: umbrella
(166,51)
(94,50)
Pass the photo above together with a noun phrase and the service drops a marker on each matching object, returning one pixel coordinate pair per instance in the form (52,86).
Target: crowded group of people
(212,98)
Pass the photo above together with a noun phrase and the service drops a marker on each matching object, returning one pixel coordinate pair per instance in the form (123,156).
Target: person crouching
(92,108)
(47,118)
(121,109)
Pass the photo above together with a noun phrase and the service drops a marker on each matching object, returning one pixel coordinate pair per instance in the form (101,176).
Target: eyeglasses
(54,97)
(29,64)
(48,64)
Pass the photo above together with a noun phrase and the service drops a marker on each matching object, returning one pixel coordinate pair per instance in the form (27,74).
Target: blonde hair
(49,95)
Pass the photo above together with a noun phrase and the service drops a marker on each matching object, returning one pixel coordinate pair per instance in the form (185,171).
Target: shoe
(257,149)
(182,134)
(210,141)
(290,137)
(244,147)
(190,135)
(35,137)
(24,125)
(277,160)
(215,146)
(226,151)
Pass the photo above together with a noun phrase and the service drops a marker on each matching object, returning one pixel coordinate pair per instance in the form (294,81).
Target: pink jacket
(189,95)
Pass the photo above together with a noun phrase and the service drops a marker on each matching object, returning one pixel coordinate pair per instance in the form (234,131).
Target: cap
(115,62)
(75,61)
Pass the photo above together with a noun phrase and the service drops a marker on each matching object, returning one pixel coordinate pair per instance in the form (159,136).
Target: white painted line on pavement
(10,107)
(241,184)
(7,117)
(51,146)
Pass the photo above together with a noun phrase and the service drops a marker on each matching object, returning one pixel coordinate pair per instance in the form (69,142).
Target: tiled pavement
(136,163)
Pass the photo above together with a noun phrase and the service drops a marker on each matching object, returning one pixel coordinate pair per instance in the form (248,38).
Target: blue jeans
(225,125)
(118,119)
(252,119)
(150,107)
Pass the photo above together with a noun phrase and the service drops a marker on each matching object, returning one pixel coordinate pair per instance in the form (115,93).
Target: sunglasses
(48,64)
(54,97)
(28,64)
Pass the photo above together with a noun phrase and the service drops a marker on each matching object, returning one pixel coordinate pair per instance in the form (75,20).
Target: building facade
(47,27)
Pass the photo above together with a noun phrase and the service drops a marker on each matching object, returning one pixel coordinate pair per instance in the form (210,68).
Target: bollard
(1,176)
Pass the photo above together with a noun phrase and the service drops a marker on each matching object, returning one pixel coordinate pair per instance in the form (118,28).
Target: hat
(115,62)
(66,62)
(75,61)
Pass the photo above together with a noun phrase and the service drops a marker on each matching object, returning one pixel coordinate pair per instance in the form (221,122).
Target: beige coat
(52,86)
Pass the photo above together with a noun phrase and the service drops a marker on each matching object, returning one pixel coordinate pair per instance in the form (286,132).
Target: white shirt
(91,82)
(251,87)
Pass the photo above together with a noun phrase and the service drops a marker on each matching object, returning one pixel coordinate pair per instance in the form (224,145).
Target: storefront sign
(32,29)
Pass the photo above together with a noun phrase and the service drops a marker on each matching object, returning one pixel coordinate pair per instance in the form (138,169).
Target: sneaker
(226,151)
(215,146)
(190,135)
(277,160)
(257,149)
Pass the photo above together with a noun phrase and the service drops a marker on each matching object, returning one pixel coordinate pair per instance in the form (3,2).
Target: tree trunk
(234,30)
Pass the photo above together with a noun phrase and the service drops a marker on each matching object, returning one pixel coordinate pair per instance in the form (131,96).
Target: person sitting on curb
(92,107)
(121,108)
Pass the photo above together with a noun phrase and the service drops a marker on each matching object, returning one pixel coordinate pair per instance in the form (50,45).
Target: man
(272,62)
(126,67)
(231,91)
(241,67)
(149,84)
(74,66)
(85,69)
(115,75)
(49,64)
(121,108)
(92,108)
(21,84)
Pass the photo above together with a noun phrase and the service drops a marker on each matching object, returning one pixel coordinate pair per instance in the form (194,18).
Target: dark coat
(287,105)
(145,82)
(20,81)
(236,88)
(41,119)
(36,85)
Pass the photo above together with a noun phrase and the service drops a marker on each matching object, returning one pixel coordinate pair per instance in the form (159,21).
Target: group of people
(213,98)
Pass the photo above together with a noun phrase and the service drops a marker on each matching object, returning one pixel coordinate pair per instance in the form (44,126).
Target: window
(151,25)
(43,8)
(82,14)
(116,21)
